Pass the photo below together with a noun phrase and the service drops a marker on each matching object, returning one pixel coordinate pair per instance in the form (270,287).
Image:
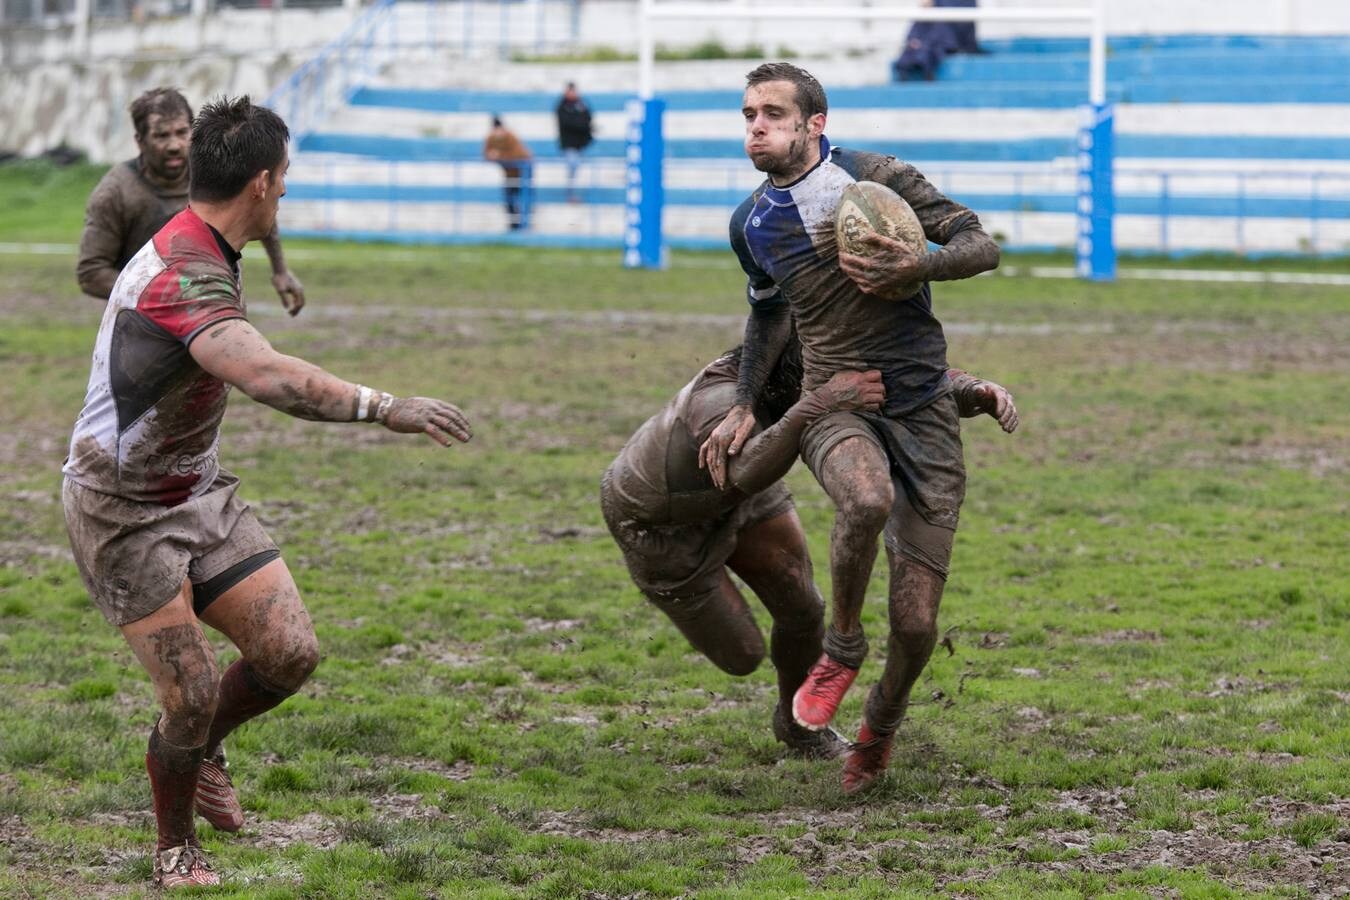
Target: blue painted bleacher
(1018,74)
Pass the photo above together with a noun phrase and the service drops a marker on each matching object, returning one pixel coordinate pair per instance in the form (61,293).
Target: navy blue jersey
(784,239)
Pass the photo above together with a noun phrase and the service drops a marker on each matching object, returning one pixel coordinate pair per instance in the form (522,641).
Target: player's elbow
(95,280)
(990,255)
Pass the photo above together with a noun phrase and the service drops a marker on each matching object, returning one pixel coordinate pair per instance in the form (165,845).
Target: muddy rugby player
(682,533)
(899,471)
(162,540)
(137,198)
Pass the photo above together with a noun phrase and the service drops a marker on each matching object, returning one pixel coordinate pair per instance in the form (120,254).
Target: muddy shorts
(679,567)
(927,467)
(134,556)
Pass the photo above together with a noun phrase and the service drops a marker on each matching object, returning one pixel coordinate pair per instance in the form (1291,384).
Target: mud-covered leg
(772,558)
(170,645)
(264,617)
(856,475)
(718,623)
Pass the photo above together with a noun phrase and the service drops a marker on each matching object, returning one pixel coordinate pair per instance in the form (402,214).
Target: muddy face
(164,147)
(779,140)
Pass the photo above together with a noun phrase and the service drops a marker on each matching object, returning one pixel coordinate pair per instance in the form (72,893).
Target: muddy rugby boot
(815,702)
(826,744)
(866,759)
(184,866)
(216,800)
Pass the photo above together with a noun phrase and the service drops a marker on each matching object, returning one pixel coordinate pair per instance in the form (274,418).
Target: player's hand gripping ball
(870,208)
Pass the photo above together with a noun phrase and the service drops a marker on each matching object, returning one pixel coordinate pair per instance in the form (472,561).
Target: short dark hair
(810,95)
(232,141)
(160,101)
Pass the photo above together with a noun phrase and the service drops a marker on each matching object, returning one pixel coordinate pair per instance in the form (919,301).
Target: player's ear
(816,124)
(261,182)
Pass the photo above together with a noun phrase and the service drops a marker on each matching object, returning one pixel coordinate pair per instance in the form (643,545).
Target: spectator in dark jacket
(574,133)
(929,43)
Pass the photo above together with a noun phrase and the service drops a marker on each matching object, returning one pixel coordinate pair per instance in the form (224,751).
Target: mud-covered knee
(739,662)
(189,708)
(289,667)
(868,507)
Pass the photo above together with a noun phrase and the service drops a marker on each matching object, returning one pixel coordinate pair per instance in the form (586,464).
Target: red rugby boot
(815,702)
(217,802)
(867,759)
(185,866)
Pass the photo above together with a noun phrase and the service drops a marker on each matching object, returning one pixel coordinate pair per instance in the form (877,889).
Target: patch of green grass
(1311,829)
(1147,614)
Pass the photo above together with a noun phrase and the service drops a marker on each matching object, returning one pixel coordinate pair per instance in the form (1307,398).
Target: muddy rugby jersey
(151,418)
(784,239)
(124,212)
(656,476)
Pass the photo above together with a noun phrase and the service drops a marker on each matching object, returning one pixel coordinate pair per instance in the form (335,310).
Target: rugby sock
(243,694)
(173,783)
(846,649)
(883,715)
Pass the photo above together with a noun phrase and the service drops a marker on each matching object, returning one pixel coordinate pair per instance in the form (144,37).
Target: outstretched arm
(237,353)
(975,396)
(288,287)
(770,454)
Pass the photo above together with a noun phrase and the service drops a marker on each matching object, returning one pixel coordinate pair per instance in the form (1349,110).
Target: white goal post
(1095,247)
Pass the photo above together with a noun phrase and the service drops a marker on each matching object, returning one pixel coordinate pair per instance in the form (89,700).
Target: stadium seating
(1212,131)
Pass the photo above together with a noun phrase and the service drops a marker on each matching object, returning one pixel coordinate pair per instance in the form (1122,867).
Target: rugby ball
(870,207)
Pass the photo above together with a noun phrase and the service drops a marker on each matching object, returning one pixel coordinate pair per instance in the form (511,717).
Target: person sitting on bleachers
(929,43)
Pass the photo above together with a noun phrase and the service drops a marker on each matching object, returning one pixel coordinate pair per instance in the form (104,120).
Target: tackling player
(682,534)
(161,537)
(899,471)
(135,199)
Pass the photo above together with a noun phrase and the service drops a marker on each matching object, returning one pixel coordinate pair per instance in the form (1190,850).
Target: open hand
(440,421)
(998,402)
(726,441)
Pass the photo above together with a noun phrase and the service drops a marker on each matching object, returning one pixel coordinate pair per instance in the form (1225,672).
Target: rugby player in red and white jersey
(162,540)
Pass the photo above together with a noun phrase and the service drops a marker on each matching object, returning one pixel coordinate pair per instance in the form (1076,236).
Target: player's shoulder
(741,214)
(867,165)
(117,181)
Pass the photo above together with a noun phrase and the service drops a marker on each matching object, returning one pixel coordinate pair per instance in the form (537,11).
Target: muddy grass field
(1142,691)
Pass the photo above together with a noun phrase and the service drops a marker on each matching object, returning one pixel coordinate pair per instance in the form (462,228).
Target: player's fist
(439,420)
(849,391)
(290,290)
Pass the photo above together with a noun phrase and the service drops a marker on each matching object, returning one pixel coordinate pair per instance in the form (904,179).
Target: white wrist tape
(363,395)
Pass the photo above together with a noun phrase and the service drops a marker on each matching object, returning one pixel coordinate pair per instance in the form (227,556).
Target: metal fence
(1165,211)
